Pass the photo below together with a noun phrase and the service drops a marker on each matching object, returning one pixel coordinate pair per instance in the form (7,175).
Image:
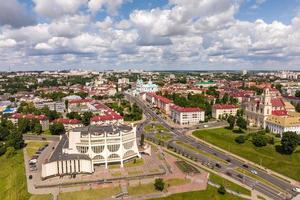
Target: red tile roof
(28,116)
(277,103)
(109,116)
(80,101)
(182,109)
(280,112)
(224,106)
(163,99)
(67,121)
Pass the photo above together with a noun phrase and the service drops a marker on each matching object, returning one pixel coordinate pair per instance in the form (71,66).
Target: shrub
(10,151)
(259,140)
(222,189)
(240,139)
(159,184)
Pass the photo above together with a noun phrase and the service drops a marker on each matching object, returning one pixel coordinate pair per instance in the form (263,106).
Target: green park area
(155,128)
(33,146)
(210,193)
(13,180)
(90,194)
(266,156)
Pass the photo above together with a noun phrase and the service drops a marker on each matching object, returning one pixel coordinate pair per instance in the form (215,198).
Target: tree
(2,149)
(240,139)
(231,121)
(297,107)
(159,184)
(297,93)
(38,129)
(57,129)
(267,129)
(24,125)
(289,142)
(86,118)
(241,123)
(15,139)
(142,139)
(222,189)
(10,151)
(259,140)
(4,132)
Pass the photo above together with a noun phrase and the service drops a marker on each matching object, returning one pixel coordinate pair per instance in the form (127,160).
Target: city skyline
(149,35)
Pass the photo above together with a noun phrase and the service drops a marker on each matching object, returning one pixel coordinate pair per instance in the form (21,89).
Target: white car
(254,171)
(296,189)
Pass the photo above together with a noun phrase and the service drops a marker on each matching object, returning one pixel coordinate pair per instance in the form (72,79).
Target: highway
(179,134)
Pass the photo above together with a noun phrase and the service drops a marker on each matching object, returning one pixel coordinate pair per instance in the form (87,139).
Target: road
(179,134)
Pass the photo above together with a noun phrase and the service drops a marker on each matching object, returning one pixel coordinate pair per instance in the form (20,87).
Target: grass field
(154,127)
(210,193)
(267,156)
(228,184)
(33,146)
(98,194)
(12,178)
(41,197)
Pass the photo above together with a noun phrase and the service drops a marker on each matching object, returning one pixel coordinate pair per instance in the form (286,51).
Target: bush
(10,151)
(222,189)
(278,135)
(289,142)
(259,140)
(159,184)
(240,139)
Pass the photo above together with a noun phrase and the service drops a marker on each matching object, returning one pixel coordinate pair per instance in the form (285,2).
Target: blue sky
(149,34)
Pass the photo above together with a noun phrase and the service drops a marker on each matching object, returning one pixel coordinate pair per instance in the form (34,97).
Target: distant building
(148,87)
(186,116)
(205,84)
(41,118)
(69,123)
(160,102)
(58,106)
(224,110)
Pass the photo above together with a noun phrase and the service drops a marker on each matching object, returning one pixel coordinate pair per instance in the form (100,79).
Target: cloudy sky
(149,34)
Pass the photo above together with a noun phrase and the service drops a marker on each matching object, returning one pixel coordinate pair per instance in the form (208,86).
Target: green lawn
(267,156)
(41,197)
(135,162)
(33,146)
(228,184)
(163,137)
(210,193)
(154,127)
(98,194)
(12,178)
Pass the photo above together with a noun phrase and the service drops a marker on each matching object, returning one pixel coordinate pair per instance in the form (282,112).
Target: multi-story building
(41,118)
(286,121)
(258,108)
(52,105)
(160,102)
(186,116)
(92,145)
(224,110)
(69,123)
(148,87)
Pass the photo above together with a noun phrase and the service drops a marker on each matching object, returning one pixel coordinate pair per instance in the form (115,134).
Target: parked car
(30,177)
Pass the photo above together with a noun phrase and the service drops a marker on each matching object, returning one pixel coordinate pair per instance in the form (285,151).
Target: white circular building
(85,147)
(104,144)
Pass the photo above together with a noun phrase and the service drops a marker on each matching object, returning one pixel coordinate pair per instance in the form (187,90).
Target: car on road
(228,160)
(218,165)
(245,166)
(296,189)
(240,176)
(228,173)
(253,171)
(30,176)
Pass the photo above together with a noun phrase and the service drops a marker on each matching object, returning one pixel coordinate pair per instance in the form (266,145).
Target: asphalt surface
(178,134)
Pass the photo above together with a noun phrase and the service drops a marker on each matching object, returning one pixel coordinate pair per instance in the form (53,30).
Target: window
(82,149)
(97,149)
(113,148)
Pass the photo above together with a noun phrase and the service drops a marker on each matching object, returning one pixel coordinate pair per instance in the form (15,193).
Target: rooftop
(182,109)
(224,106)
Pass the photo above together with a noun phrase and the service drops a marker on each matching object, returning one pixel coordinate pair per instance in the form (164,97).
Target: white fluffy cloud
(57,8)
(185,33)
